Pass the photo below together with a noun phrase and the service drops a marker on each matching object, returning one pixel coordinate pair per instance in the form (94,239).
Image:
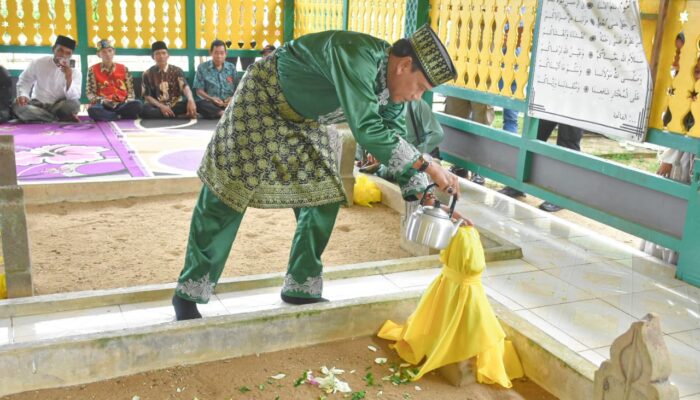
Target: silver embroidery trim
(416,184)
(332,117)
(313,285)
(200,290)
(404,153)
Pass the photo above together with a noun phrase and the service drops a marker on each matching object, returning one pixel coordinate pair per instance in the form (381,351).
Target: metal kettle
(431,225)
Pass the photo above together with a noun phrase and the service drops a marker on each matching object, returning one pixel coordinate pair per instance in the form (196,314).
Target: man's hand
(217,101)
(166,111)
(446,181)
(23,100)
(192,108)
(664,170)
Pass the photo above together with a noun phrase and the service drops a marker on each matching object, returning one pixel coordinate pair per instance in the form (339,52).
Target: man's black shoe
(510,192)
(301,300)
(478,179)
(460,172)
(185,309)
(549,207)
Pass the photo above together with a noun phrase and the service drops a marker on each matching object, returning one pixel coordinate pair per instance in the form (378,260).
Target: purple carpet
(66,151)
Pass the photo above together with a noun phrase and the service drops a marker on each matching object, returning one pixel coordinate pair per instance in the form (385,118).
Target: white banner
(591,70)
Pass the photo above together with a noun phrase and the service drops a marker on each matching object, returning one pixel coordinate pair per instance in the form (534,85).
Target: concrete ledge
(92,358)
(553,366)
(52,303)
(96,357)
(46,193)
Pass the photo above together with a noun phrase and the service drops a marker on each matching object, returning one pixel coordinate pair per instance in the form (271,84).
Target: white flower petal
(380,360)
(278,376)
(372,348)
(418,388)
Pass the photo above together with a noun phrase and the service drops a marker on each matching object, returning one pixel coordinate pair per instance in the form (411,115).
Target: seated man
(215,82)
(163,86)
(422,130)
(6,94)
(53,85)
(110,88)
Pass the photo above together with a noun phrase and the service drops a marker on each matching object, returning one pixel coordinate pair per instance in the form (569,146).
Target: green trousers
(212,232)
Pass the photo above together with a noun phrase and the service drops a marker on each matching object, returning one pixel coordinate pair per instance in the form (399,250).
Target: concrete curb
(96,357)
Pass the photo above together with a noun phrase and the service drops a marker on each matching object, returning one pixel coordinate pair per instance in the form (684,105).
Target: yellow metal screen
(137,23)
(380,18)
(247,24)
(489,42)
(675,105)
(317,15)
(36,23)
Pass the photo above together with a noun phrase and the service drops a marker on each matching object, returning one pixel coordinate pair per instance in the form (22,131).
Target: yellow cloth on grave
(454,320)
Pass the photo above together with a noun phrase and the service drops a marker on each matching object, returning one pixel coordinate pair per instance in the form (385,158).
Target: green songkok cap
(433,56)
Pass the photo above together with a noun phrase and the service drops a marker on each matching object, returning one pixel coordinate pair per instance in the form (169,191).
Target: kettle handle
(426,192)
(454,198)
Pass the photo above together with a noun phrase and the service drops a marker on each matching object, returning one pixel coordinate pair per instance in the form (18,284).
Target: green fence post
(288,21)
(346,14)
(530,125)
(688,268)
(82,46)
(191,32)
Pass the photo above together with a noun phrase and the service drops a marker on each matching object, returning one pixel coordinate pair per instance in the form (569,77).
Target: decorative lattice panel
(675,104)
(384,19)
(411,17)
(489,41)
(36,22)
(137,23)
(317,15)
(248,24)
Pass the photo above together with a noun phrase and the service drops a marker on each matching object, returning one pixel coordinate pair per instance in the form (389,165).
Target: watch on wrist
(427,159)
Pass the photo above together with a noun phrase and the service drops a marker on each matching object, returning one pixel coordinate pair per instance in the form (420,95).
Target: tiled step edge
(138,294)
(64,362)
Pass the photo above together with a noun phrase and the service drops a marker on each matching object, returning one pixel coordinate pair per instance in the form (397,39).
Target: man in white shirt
(49,89)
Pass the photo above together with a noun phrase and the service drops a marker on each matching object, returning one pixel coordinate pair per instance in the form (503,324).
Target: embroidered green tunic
(274,147)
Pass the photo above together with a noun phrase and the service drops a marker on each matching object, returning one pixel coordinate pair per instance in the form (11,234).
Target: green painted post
(288,20)
(530,124)
(346,14)
(688,268)
(191,32)
(82,46)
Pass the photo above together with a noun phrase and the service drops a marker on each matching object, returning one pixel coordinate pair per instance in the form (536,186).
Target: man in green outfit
(274,147)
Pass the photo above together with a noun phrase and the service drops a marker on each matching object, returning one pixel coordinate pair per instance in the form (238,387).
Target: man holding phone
(49,89)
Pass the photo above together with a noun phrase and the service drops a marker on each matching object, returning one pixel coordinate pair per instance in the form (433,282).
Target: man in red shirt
(110,88)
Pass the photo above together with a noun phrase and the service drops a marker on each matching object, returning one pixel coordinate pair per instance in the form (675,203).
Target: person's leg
(208,109)
(483,113)
(99,113)
(545,129)
(569,137)
(304,282)
(149,111)
(510,120)
(34,111)
(180,109)
(130,109)
(212,232)
(66,110)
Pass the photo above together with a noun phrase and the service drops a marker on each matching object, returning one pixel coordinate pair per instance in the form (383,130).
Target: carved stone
(639,366)
(13,224)
(346,161)
(460,374)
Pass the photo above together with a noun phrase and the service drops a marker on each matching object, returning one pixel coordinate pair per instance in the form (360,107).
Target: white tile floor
(573,285)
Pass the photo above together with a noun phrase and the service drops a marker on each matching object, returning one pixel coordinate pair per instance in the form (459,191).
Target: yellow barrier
(474,32)
(248,24)
(675,106)
(31,23)
(380,18)
(312,16)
